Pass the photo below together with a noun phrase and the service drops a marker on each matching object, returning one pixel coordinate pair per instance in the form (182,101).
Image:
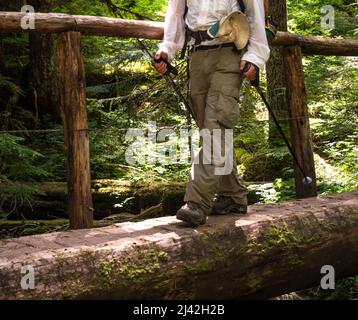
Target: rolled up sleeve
(258,50)
(174,28)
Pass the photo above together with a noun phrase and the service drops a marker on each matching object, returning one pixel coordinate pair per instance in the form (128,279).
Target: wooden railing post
(299,122)
(74,118)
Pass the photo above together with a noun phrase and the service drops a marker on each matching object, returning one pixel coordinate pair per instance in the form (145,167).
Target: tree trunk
(43,67)
(276,81)
(72,88)
(7,5)
(2,57)
(273,250)
(299,122)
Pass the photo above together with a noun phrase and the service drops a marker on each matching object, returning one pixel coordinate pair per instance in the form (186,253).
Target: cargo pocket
(227,109)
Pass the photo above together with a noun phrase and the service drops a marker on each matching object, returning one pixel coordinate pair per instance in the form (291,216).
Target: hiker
(225,46)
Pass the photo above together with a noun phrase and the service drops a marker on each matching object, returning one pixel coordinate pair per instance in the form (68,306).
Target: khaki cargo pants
(215,83)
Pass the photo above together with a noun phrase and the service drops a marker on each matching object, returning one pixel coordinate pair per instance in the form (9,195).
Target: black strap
(186,9)
(215,46)
(182,54)
(199,36)
(242,6)
(186,40)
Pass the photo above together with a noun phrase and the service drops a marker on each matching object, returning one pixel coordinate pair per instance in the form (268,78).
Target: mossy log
(273,250)
(110,197)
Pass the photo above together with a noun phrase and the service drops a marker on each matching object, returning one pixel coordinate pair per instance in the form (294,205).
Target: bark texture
(299,122)
(276,80)
(44,86)
(273,250)
(72,89)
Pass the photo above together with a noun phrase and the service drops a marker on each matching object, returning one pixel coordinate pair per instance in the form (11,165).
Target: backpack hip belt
(199,37)
(215,46)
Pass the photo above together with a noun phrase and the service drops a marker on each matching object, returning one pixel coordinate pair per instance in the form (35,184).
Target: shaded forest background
(124,92)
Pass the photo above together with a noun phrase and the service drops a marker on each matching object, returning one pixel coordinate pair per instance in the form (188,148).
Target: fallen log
(273,250)
(113,27)
(113,197)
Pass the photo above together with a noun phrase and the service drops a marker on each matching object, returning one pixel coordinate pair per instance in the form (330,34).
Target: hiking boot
(192,214)
(225,205)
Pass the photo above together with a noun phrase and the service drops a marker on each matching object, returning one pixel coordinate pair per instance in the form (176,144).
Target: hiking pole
(256,84)
(170,81)
(167,76)
(170,69)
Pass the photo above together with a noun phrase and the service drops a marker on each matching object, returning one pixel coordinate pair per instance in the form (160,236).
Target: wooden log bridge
(275,249)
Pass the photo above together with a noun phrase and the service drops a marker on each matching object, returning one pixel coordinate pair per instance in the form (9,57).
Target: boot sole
(187,217)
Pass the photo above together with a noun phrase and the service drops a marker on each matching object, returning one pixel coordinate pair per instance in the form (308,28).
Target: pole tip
(307,180)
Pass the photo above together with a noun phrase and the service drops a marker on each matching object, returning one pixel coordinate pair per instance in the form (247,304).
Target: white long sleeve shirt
(202,14)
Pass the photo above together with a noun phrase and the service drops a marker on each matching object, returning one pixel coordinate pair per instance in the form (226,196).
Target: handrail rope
(170,127)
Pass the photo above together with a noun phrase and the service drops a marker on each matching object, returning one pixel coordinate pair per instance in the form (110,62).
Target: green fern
(17,170)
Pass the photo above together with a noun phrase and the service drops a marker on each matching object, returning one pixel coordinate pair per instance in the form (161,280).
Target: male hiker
(217,69)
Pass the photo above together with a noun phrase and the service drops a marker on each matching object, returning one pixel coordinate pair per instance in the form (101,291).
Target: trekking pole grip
(255,83)
(170,68)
